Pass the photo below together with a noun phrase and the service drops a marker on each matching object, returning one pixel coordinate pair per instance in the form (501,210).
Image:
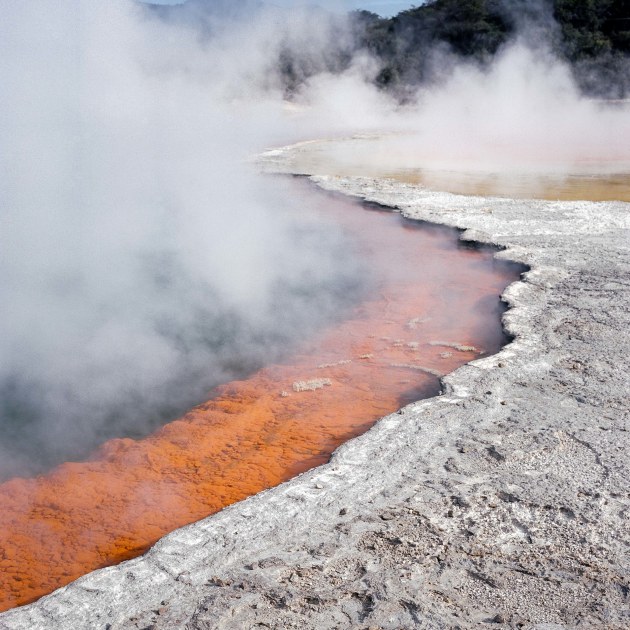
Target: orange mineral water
(434,305)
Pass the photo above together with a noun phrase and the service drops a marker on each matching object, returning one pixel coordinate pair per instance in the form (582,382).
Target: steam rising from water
(141,260)
(523,114)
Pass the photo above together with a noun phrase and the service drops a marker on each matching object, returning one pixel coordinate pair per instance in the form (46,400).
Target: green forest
(593,35)
(415,46)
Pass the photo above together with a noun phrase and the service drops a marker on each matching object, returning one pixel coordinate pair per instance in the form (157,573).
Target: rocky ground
(503,503)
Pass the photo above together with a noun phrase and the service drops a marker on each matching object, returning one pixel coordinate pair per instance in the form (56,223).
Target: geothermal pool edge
(502,502)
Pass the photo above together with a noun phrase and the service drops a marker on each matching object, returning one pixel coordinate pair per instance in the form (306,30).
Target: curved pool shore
(427,305)
(503,501)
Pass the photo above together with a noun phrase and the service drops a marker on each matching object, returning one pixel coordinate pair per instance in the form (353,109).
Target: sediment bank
(502,502)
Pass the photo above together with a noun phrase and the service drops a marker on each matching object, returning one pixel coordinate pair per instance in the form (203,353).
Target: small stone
(343,512)
(312,385)
(215,581)
(267,563)
(319,486)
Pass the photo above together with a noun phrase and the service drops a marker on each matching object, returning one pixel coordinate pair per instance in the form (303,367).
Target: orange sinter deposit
(434,305)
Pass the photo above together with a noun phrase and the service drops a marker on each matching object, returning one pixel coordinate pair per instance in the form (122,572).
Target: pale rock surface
(503,503)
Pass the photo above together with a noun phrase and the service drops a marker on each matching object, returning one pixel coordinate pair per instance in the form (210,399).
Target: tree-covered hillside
(417,45)
(593,35)
(593,27)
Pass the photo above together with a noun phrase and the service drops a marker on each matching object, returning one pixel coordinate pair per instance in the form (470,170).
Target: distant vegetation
(593,35)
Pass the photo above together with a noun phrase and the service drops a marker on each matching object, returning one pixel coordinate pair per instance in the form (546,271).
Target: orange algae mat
(434,307)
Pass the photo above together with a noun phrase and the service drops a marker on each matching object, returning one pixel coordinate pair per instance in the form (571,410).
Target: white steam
(524,113)
(141,260)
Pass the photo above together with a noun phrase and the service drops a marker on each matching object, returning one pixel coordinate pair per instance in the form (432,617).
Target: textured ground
(504,503)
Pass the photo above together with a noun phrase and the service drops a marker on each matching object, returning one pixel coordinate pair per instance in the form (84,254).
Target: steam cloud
(142,260)
(523,114)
